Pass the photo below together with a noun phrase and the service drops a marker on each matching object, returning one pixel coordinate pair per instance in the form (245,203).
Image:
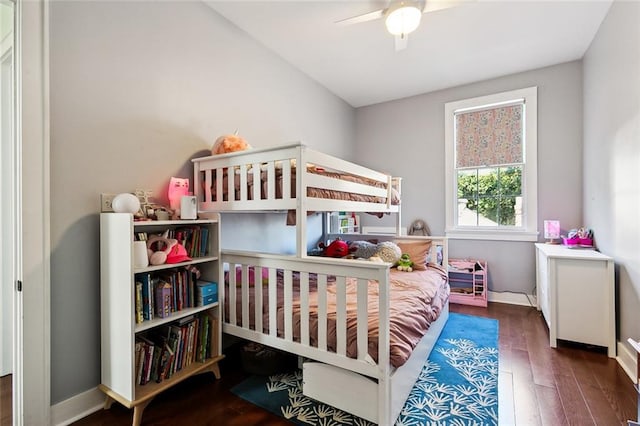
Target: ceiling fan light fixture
(403,18)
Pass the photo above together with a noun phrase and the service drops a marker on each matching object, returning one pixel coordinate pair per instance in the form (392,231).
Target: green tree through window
(492,194)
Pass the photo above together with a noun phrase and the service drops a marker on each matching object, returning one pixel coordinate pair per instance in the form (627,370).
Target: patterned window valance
(489,137)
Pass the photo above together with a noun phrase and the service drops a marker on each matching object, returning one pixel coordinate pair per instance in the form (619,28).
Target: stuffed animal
(387,251)
(158,253)
(362,249)
(405,263)
(337,248)
(229,143)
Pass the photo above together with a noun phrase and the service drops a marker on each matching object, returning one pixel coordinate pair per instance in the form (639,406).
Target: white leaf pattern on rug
(456,387)
(299,405)
(473,403)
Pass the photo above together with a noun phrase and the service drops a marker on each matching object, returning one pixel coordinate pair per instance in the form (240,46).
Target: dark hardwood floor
(570,385)
(5,400)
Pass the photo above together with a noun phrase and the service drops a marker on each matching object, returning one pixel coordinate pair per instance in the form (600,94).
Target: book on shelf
(155,363)
(176,335)
(139,315)
(163,298)
(148,348)
(160,294)
(194,249)
(147,295)
(204,240)
(167,360)
(185,320)
(167,349)
(194,239)
(139,361)
(204,332)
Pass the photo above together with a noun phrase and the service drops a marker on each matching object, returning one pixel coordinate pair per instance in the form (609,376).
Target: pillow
(417,251)
(388,251)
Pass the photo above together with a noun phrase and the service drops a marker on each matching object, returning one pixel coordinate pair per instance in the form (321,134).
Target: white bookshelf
(344,223)
(118,317)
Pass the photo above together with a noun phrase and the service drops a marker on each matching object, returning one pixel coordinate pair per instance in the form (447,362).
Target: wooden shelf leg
(108,402)
(138,410)
(215,368)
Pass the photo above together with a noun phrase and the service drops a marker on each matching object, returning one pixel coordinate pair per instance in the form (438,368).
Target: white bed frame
(372,390)
(254,161)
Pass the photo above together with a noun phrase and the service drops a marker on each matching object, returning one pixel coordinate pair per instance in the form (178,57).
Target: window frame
(528,231)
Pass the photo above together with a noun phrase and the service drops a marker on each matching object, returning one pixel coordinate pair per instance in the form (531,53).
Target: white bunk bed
(367,387)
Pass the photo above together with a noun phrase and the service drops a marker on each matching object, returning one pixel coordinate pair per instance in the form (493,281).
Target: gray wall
(406,138)
(137,89)
(612,153)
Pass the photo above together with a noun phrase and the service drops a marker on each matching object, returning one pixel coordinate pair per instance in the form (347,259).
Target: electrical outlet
(106,201)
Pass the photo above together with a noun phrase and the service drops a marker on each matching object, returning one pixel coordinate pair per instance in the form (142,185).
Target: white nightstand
(576,294)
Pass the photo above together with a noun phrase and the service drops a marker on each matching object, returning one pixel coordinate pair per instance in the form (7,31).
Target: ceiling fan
(402,16)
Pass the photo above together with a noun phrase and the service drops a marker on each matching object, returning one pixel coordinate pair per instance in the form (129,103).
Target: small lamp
(403,18)
(552,231)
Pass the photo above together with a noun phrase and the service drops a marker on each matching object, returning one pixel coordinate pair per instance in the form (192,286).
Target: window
(491,166)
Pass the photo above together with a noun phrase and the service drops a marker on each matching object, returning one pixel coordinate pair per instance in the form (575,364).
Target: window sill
(494,235)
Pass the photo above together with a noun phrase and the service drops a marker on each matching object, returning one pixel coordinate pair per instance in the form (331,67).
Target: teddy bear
(405,263)
(229,143)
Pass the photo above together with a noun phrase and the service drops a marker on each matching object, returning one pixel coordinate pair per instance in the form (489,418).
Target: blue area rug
(458,385)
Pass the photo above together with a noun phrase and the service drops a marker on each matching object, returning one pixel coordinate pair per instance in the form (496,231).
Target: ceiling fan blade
(401,42)
(432,6)
(363,18)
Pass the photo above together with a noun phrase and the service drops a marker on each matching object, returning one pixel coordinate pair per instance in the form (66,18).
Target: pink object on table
(570,241)
(585,241)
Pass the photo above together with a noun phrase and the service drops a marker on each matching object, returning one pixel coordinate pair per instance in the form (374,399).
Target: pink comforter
(416,299)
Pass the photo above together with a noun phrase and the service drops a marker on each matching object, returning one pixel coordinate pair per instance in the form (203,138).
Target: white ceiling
(474,41)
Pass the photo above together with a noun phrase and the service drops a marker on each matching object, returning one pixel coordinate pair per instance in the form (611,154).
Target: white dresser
(576,294)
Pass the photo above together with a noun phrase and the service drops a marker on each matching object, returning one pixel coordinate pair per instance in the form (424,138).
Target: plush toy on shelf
(229,143)
(158,248)
(405,263)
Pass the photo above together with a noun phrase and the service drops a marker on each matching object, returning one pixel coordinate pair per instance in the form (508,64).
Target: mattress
(416,300)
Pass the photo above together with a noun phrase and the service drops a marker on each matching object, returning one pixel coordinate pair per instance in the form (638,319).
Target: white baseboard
(512,298)
(77,407)
(627,360)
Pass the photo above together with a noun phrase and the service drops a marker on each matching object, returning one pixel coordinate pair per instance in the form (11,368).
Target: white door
(7,224)
(25,140)
(31,384)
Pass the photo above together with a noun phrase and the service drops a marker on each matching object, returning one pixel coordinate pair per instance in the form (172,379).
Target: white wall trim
(512,298)
(487,235)
(77,407)
(33,338)
(627,360)
(6,43)
(529,178)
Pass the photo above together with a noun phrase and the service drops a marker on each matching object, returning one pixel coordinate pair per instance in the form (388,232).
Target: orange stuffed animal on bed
(229,143)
